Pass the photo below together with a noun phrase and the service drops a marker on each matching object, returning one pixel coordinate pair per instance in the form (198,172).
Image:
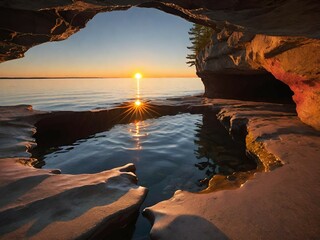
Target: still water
(170,153)
(87,94)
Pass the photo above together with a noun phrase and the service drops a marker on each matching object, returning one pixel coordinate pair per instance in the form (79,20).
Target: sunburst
(138,110)
(137,103)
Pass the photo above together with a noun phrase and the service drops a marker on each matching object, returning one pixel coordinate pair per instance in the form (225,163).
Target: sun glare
(138,75)
(137,103)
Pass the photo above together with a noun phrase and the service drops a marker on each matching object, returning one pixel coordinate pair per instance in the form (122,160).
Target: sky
(113,44)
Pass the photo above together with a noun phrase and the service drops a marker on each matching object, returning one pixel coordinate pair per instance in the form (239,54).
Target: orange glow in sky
(157,47)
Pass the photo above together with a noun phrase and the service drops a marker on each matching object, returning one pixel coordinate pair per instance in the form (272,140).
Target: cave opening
(260,87)
(136,39)
(255,87)
(253,44)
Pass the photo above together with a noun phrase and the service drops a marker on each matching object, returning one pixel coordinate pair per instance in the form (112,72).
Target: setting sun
(138,75)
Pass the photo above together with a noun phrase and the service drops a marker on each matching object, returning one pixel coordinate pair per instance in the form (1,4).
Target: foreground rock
(43,204)
(278,37)
(281,203)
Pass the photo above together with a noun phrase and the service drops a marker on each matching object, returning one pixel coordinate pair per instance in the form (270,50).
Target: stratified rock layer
(44,204)
(238,65)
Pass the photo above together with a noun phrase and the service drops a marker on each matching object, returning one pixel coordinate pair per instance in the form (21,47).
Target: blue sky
(114,44)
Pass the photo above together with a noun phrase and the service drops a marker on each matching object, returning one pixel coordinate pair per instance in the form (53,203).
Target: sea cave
(238,161)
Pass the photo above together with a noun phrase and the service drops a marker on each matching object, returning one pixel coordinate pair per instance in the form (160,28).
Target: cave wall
(238,65)
(252,37)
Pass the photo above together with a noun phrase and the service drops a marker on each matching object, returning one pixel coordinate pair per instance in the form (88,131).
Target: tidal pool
(170,153)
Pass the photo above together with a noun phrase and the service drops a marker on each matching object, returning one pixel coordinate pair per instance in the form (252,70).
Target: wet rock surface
(279,202)
(283,190)
(252,38)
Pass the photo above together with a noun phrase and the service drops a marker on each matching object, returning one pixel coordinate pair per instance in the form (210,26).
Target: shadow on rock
(188,227)
(70,205)
(16,189)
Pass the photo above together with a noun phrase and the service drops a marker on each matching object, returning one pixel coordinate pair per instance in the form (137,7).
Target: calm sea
(87,94)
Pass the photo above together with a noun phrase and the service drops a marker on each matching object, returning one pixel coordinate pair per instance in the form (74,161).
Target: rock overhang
(28,23)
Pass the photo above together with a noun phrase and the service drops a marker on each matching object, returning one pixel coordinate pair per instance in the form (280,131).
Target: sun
(138,75)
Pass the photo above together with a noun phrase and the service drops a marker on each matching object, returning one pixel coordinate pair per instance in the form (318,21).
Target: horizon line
(89,77)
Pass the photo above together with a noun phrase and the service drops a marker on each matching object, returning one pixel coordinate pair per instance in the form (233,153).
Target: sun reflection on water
(137,133)
(137,110)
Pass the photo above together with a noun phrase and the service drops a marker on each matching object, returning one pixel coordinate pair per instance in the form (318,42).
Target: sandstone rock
(60,19)
(239,70)
(293,60)
(296,62)
(45,204)
(256,210)
(278,204)
(41,205)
